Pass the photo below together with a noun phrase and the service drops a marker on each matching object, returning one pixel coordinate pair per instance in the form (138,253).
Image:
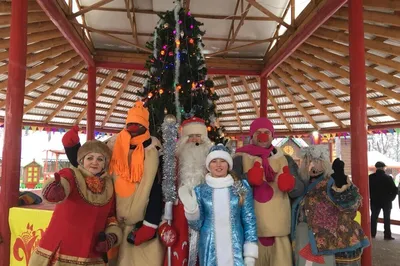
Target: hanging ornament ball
(170,119)
(170,53)
(191,26)
(180,21)
(161,91)
(150,95)
(162,52)
(182,34)
(191,41)
(209,128)
(166,25)
(165,111)
(177,42)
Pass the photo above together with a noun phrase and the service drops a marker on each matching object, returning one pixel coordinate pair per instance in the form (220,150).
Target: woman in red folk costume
(191,151)
(134,164)
(275,179)
(83,226)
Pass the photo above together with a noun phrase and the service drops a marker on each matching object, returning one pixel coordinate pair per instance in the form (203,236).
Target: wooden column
(13,120)
(91,109)
(358,116)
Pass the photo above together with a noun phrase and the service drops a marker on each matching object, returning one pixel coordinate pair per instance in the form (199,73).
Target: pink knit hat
(261,122)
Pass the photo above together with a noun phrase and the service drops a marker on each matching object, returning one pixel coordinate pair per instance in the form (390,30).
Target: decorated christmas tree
(177,82)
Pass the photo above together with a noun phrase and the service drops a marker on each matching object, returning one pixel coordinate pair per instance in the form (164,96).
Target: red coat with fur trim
(77,222)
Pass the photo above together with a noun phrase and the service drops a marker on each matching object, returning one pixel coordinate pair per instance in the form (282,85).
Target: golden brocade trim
(94,198)
(65,259)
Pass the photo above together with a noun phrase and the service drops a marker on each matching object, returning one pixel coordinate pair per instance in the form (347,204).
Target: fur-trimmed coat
(77,221)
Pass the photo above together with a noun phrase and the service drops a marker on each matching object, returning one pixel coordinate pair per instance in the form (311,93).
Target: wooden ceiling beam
(345,62)
(276,34)
(241,23)
(5,7)
(320,12)
(113,37)
(117,79)
(279,112)
(294,101)
(67,100)
(89,8)
(374,16)
(118,96)
(288,80)
(228,81)
(338,36)
(99,91)
(58,84)
(142,34)
(46,44)
(269,14)
(34,37)
(310,71)
(233,64)
(31,58)
(196,15)
(32,17)
(293,13)
(242,46)
(390,32)
(232,27)
(37,69)
(250,95)
(302,78)
(345,74)
(343,49)
(384,4)
(32,28)
(132,18)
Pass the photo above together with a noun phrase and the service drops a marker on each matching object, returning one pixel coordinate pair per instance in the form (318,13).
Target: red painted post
(263,96)
(358,116)
(13,120)
(91,110)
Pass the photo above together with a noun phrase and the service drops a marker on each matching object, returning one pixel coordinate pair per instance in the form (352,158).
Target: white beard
(192,159)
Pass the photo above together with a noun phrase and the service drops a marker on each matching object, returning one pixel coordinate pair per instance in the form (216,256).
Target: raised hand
(286,181)
(255,174)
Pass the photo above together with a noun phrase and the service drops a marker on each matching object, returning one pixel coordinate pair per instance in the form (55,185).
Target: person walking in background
(382,192)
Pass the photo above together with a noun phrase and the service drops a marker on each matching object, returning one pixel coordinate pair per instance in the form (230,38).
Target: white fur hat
(219,152)
(193,125)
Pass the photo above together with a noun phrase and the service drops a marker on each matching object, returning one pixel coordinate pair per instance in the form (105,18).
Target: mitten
(71,138)
(145,233)
(286,181)
(54,192)
(188,198)
(249,261)
(167,234)
(255,174)
(105,246)
(338,173)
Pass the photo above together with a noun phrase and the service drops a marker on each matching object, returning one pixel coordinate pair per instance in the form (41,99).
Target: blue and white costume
(228,234)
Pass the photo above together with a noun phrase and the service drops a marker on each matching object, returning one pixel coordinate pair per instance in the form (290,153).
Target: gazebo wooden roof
(308,91)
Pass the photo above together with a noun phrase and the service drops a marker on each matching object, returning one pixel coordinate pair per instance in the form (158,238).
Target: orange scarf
(119,162)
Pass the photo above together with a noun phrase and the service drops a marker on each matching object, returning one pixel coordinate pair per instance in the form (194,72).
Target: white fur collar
(219,182)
